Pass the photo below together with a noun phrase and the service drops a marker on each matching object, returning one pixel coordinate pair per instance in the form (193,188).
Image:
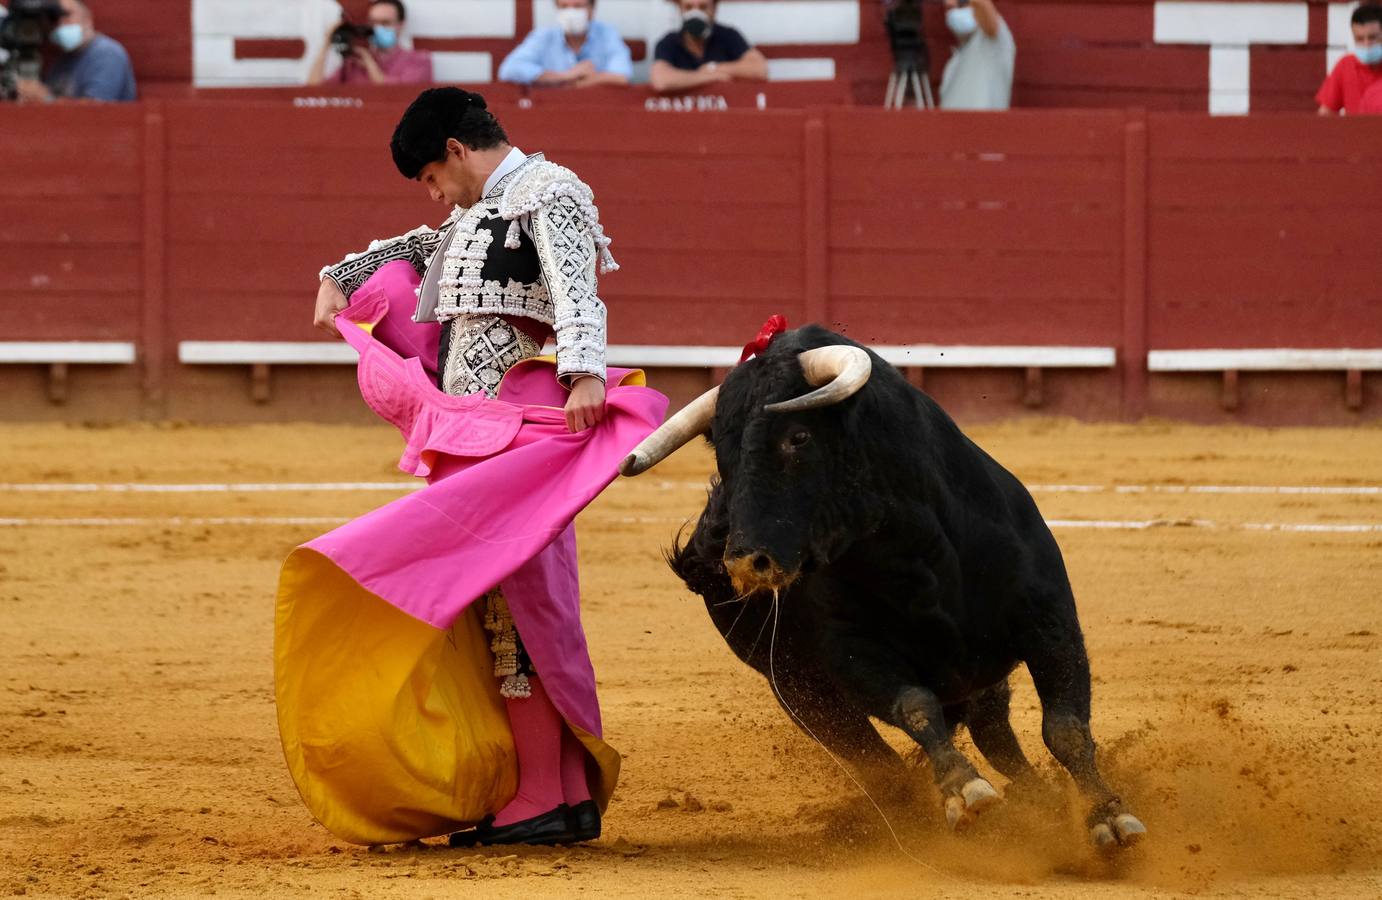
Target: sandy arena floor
(1237,676)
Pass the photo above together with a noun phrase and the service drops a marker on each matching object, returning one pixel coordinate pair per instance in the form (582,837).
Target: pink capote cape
(505,480)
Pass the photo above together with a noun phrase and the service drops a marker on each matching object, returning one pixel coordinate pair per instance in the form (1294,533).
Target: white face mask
(961,20)
(69,37)
(573,20)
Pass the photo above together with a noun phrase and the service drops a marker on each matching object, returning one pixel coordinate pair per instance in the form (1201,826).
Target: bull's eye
(799,438)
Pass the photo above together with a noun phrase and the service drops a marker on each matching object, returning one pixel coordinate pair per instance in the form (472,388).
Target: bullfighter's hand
(586,405)
(330,301)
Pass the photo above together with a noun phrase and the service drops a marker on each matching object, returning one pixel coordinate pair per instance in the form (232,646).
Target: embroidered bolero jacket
(529,248)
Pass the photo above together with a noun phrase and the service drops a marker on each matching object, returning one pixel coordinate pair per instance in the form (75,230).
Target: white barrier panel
(1230,29)
(217,24)
(48,352)
(1268,360)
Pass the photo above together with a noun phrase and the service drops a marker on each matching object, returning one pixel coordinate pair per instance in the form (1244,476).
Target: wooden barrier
(737,96)
(1229,363)
(1261,228)
(57,356)
(261,356)
(195,221)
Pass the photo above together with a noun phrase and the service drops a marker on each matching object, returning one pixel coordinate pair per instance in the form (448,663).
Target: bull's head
(783,456)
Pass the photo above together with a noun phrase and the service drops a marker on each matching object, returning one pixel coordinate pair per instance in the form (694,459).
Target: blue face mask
(961,20)
(1369,56)
(385,38)
(68,37)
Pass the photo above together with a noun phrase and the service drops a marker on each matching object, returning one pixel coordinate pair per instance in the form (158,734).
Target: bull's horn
(837,373)
(691,420)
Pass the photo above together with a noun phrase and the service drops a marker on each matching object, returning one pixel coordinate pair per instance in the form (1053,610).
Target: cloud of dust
(1223,799)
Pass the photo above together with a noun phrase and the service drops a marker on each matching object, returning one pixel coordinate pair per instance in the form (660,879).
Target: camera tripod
(911,57)
(908,76)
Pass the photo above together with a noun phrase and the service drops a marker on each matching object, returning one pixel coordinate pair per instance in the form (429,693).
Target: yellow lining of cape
(392,729)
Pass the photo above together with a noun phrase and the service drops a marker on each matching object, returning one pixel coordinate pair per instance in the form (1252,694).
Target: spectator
(90,67)
(703,52)
(1358,73)
(979,73)
(577,51)
(1371,104)
(385,61)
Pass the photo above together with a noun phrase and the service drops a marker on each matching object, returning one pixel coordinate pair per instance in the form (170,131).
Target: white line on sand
(1360,490)
(1340,490)
(229,488)
(1135,524)
(151,522)
(405,486)
(332,521)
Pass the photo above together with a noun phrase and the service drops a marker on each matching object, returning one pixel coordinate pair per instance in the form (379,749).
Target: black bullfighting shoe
(585,821)
(552,827)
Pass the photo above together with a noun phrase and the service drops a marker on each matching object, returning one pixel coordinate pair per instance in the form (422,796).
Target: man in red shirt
(1371,104)
(1352,77)
(384,61)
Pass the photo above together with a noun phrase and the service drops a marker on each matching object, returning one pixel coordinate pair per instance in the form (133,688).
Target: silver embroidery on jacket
(480,351)
(564,222)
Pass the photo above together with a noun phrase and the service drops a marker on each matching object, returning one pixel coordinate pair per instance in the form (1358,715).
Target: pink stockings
(574,786)
(551,761)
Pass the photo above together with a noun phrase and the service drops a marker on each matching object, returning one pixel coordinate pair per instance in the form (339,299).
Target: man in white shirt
(979,74)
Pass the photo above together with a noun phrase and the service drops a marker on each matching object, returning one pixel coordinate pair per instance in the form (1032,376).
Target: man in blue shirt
(91,67)
(576,52)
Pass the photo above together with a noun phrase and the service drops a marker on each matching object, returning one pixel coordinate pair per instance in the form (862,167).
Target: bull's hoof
(1122,830)
(963,808)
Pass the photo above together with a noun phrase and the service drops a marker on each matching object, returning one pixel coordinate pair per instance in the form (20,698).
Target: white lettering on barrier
(328,103)
(698,103)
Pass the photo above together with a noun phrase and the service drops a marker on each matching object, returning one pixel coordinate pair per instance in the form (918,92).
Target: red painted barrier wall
(1263,232)
(976,228)
(71,204)
(176,221)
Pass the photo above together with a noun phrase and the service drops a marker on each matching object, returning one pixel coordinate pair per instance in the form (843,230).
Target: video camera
(911,57)
(22,34)
(348,36)
(907,36)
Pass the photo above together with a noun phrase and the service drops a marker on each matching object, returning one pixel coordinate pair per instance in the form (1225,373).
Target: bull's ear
(837,372)
(692,419)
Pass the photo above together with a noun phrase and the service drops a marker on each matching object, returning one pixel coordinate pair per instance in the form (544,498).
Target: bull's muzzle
(757,571)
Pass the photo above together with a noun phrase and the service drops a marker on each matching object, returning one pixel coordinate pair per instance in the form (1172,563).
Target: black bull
(871,560)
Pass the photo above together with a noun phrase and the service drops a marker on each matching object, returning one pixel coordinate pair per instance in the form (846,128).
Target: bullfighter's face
(455,180)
